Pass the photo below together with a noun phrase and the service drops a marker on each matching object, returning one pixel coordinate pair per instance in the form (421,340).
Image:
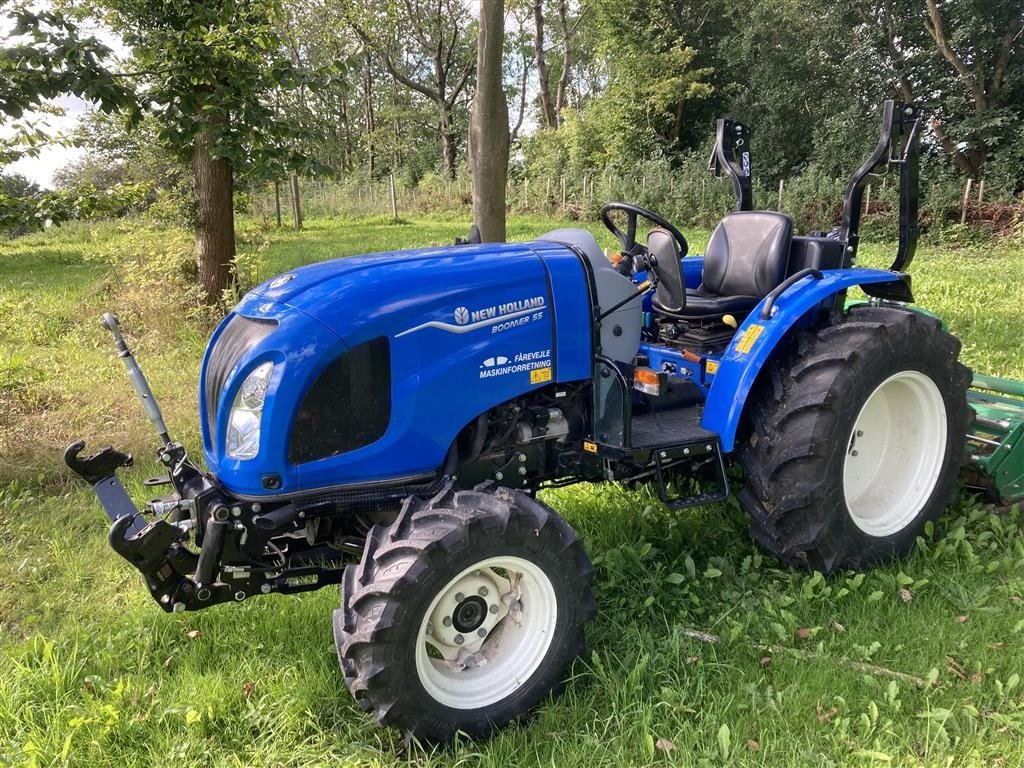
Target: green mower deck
(996,439)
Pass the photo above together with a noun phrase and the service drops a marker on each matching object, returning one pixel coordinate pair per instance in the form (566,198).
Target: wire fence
(689,196)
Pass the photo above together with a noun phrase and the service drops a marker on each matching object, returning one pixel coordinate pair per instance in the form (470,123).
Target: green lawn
(704,651)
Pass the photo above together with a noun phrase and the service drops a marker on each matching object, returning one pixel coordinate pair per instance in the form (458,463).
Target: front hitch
(201,546)
(154,548)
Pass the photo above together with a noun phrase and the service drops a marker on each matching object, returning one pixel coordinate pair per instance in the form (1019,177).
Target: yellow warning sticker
(711,366)
(746,342)
(589,447)
(540,375)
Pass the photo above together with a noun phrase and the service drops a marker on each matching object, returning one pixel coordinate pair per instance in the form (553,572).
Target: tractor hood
(364,296)
(427,339)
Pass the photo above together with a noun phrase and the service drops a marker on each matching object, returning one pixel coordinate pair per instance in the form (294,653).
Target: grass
(704,651)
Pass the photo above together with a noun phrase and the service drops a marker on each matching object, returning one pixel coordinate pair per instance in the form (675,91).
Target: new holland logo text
(501,317)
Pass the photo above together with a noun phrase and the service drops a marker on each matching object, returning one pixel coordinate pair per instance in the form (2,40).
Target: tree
(962,61)
(424,46)
(547,106)
(48,57)
(209,72)
(489,140)
(45,56)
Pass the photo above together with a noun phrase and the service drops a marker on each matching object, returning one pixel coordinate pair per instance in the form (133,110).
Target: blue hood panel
(469,327)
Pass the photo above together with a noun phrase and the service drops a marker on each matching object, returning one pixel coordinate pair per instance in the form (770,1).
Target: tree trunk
(215,225)
(449,143)
(547,107)
(370,119)
(489,126)
(563,79)
(277,202)
(296,201)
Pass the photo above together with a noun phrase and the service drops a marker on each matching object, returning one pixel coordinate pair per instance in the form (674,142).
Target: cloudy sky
(41,169)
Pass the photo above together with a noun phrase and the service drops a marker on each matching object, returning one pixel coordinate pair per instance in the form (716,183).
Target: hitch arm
(100,471)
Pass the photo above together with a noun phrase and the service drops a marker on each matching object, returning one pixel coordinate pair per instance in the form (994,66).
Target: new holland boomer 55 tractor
(405,408)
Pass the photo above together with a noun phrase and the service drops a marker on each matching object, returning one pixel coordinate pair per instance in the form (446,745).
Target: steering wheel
(628,238)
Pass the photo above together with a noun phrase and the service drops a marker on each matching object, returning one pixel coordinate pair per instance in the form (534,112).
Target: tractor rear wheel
(853,439)
(464,613)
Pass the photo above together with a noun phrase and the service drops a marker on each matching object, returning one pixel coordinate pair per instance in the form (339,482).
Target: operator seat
(745,259)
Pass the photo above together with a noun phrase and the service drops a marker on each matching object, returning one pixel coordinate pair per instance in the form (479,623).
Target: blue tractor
(404,408)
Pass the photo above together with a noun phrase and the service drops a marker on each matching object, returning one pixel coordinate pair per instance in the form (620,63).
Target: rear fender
(756,339)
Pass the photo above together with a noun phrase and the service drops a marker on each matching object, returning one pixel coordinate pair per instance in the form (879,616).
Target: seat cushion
(748,253)
(700,303)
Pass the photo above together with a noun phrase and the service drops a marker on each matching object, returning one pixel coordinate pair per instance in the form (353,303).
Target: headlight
(243,441)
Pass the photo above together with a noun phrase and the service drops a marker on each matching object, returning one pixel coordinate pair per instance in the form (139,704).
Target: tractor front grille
(239,336)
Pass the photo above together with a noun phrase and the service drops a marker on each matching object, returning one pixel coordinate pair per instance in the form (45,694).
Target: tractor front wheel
(464,613)
(854,439)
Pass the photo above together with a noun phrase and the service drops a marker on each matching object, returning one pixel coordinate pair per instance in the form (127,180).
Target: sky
(41,169)
(52,158)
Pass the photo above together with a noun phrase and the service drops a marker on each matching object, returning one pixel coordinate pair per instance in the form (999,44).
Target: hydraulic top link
(137,378)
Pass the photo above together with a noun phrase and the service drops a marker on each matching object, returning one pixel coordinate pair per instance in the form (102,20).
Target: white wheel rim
(489,665)
(894,453)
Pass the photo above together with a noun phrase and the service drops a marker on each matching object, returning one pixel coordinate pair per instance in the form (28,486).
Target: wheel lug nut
(459,597)
(482,591)
(447,621)
(482,632)
(459,639)
(493,609)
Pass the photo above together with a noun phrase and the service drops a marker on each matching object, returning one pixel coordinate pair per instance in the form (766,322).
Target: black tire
(799,428)
(406,565)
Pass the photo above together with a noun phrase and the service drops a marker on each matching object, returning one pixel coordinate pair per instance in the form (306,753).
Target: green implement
(996,439)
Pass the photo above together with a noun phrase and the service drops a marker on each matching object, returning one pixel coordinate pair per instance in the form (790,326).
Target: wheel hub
(466,613)
(894,453)
(470,614)
(486,631)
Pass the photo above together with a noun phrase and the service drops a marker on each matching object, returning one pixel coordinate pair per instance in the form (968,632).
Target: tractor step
(672,438)
(996,439)
(671,426)
(681,501)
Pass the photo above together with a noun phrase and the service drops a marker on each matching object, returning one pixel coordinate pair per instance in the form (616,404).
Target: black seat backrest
(748,253)
(670,293)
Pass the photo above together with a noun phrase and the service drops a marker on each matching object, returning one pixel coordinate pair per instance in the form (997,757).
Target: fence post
(782,186)
(966,200)
(394,201)
(981,190)
(563,193)
(867,201)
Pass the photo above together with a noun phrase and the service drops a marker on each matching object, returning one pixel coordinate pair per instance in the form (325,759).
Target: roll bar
(731,155)
(899,145)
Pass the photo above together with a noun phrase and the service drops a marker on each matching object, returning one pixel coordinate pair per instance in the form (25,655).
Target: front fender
(756,340)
